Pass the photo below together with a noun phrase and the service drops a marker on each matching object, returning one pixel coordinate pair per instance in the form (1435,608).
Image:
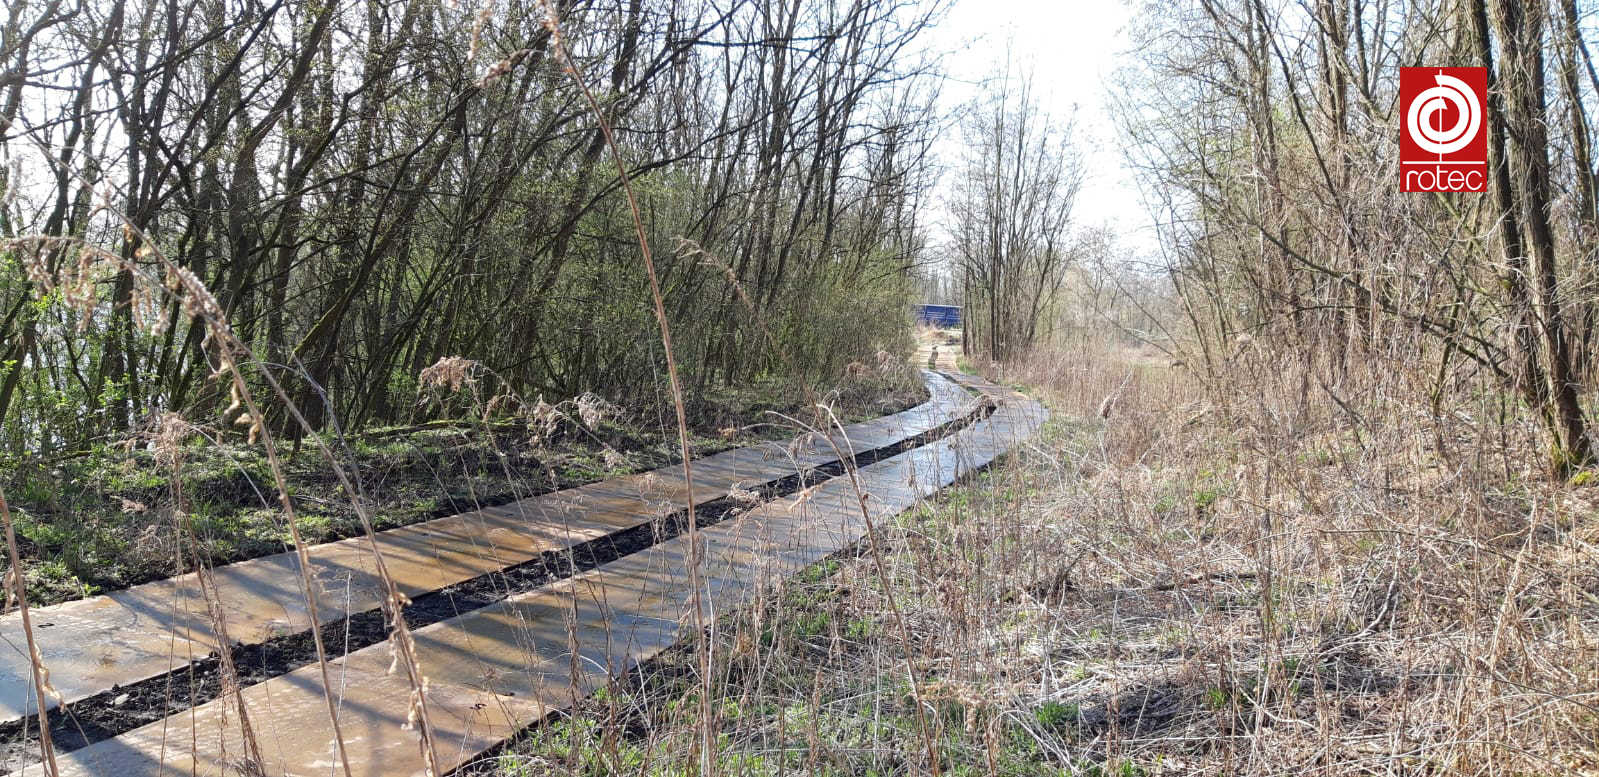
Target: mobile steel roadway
(498,669)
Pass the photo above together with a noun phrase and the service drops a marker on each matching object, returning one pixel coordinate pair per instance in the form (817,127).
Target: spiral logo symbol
(1468,113)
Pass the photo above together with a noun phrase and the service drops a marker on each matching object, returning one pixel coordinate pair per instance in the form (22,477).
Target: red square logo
(1443,132)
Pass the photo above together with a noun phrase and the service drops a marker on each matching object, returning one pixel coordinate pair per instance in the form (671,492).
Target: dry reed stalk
(197,301)
(170,437)
(873,542)
(41,677)
(405,656)
(702,646)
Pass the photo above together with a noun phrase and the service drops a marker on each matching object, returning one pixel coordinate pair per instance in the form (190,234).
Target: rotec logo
(1442,143)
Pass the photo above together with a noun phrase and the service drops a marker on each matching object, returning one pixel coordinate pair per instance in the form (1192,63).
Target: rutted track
(500,667)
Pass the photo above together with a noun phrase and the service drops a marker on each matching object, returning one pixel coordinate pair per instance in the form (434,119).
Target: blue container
(941,316)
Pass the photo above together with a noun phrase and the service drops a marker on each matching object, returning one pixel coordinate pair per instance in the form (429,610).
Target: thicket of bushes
(367,188)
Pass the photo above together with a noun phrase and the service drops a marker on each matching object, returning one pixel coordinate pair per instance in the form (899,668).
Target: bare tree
(1011,211)
(371,188)
(1274,147)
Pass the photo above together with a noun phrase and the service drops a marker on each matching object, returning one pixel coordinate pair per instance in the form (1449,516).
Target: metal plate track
(92,645)
(495,670)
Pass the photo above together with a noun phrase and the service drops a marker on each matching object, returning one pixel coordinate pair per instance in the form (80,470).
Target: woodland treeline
(1271,132)
(368,186)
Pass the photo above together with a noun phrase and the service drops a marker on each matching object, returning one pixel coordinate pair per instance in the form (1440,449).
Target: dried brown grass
(1260,570)
(1274,572)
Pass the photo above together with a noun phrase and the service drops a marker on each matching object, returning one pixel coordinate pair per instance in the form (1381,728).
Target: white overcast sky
(1072,47)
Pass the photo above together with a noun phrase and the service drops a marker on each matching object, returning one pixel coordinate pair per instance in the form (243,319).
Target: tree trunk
(1520,28)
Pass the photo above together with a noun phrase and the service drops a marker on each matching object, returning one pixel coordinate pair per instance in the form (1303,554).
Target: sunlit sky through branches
(1072,48)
